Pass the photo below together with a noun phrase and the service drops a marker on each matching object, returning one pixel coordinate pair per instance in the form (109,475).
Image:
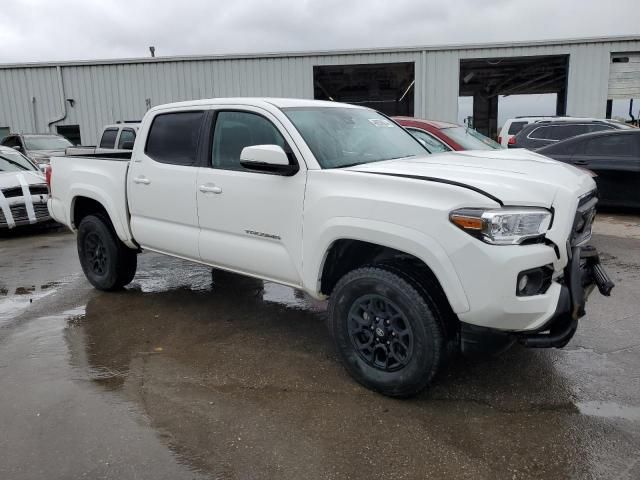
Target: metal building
(77,98)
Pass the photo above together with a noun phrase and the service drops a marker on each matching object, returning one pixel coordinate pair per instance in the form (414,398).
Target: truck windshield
(342,137)
(14,162)
(46,142)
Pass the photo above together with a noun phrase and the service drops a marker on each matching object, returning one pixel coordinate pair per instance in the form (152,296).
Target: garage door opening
(386,87)
(489,79)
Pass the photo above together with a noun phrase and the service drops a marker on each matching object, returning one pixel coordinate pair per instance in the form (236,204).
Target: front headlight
(503,226)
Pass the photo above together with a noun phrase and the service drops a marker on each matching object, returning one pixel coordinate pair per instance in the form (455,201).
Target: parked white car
(116,138)
(23,191)
(417,253)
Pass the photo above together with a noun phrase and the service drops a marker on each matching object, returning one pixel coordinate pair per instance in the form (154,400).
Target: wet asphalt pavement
(186,374)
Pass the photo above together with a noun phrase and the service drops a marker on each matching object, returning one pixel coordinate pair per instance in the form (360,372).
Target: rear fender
(117,214)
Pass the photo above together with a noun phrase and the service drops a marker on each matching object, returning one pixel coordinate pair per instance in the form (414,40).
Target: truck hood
(515,176)
(10,179)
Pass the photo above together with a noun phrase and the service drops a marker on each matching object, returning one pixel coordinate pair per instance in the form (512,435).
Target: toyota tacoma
(419,254)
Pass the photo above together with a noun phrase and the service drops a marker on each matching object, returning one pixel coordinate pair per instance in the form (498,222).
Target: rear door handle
(142,180)
(210,189)
(579,162)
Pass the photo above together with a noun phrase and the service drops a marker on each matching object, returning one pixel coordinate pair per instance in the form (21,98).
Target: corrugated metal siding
(441,85)
(624,78)
(105,93)
(588,80)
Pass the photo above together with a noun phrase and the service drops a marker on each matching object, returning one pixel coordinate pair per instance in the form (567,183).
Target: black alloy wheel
(380,332)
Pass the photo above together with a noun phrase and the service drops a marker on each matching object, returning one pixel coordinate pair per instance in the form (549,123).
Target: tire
(107,263)
(388,334)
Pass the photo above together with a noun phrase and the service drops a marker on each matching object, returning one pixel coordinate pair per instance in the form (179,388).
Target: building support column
(485,115)
(561,102)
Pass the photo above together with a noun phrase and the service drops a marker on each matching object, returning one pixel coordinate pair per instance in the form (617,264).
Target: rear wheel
(387,332)
(107,263)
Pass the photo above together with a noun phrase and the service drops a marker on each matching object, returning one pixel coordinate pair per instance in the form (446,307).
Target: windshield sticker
(381,122)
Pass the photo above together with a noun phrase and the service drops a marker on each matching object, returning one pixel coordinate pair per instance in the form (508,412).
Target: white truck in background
(116,138)
(418,254)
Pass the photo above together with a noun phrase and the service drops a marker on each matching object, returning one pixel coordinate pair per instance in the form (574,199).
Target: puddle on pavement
(609,410)
(238,376)
(244,378)
(158,274)
(15,299)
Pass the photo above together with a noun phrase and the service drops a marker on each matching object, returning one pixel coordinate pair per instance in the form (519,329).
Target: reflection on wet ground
(189,374)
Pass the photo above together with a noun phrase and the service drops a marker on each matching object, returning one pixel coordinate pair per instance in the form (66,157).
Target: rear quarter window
(540,133)
(515,127)
(173,137)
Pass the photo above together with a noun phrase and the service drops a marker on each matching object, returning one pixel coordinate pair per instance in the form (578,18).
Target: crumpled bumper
(582,275)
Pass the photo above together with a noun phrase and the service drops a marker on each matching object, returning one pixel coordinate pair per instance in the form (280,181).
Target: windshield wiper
(401,156)
(347,165)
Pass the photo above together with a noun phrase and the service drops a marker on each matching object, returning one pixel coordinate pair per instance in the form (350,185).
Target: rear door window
(173,137)
(108,139)
(515,127)
(612,146)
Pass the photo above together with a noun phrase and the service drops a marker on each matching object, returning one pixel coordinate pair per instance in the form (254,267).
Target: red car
(444,137)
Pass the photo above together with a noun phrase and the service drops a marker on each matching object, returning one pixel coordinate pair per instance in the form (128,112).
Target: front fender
(390,235)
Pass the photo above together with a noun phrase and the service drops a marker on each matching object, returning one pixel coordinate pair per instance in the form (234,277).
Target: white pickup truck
(116,138)
(418,254)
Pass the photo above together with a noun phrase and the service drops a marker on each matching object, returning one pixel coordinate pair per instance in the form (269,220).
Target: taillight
(500,140)
(512,141)
(47,175)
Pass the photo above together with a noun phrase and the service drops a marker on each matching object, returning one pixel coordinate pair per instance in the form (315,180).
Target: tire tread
(416,294)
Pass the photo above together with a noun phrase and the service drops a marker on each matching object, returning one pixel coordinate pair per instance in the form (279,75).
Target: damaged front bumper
(583,273)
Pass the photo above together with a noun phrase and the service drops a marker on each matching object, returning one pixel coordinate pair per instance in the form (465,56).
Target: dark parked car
(614,156)
(541,134)
(38,147)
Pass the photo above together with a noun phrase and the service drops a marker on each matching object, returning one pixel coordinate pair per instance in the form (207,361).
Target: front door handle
(142,180)
(579,162)
(210,189)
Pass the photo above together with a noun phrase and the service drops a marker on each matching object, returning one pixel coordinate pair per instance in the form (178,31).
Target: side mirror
(127,145)
(18,148)
(267,159)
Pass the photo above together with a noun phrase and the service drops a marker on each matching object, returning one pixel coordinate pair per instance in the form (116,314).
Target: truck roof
(255,101)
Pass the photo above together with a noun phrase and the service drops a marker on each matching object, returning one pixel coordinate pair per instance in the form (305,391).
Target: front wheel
(107,263)
(387,333)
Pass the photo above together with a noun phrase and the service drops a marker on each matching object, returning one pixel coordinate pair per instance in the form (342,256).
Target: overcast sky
(42,30)
(46,30)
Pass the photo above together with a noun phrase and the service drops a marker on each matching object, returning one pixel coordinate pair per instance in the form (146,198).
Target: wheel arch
(345,249)
(87,202)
